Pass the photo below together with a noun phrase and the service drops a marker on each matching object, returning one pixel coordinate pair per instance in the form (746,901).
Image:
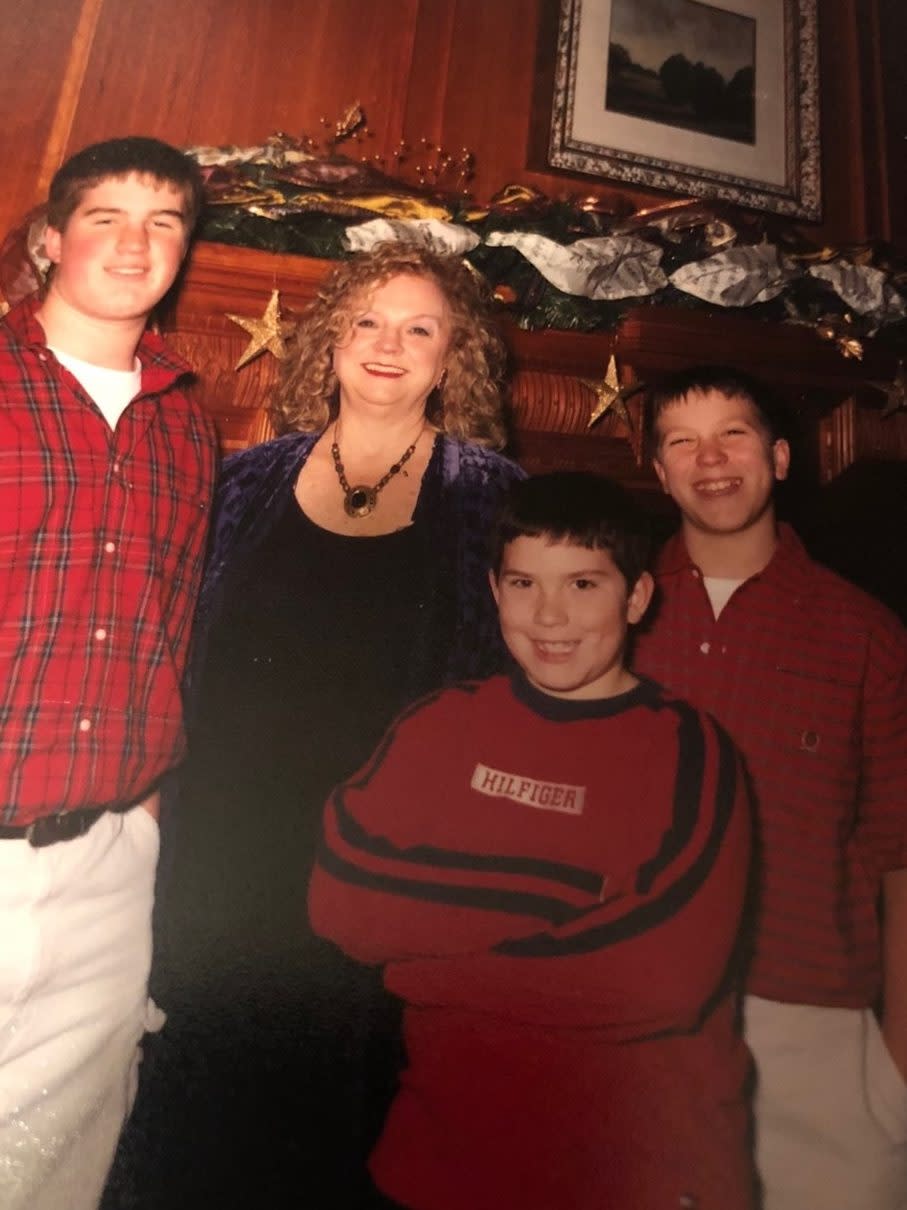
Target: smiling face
(564,612)
(120,250)
(720,465)
(396,350)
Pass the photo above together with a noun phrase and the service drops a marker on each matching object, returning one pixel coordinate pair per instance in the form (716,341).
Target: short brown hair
(468,402)
(725,380)
(578,508)
(120,158)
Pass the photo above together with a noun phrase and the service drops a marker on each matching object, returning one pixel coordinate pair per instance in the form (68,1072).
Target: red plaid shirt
(101,543)
(809,676)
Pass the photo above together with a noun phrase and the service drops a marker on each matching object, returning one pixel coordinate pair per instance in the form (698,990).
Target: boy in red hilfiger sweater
(552,868)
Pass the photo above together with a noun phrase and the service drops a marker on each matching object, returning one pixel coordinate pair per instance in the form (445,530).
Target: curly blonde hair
(468,402)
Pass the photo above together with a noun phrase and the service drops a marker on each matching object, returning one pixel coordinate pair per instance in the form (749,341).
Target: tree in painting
(683,63)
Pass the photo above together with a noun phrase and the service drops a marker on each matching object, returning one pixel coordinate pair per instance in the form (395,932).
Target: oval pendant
(360,501)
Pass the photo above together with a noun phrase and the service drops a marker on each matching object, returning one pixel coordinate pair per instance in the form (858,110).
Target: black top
(305,669)
(280,1054)
(306,664)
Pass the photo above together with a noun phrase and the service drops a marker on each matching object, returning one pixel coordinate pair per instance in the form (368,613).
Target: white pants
(75,949)
(830,1109)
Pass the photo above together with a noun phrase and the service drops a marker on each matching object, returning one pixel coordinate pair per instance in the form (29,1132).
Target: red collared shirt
(809,676)
(102,538)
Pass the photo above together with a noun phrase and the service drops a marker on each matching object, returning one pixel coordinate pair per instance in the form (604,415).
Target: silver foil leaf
(609,268)
(430,233)
(738,277)
(863,288)
(273,152)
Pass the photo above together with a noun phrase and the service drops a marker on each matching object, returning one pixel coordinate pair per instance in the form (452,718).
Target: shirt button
(84,724)
(705,648)
(116,468)
(100,634)
(695,573)
(110,547)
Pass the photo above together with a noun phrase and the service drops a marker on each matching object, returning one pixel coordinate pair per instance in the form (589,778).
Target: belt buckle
(50,829)
(38,834)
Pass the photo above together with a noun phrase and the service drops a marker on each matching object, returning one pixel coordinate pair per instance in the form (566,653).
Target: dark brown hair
(120,158)
(579,508)
(727,381)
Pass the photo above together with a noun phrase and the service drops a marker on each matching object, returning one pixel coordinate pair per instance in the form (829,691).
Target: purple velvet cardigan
(462,486)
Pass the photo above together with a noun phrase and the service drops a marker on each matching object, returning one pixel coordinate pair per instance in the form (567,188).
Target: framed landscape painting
(704,99)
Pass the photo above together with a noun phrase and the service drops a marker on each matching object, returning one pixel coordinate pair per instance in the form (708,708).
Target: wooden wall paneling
(837,439)
(848,120)
(875,166)
(35,49)
(673,338)
(851,433)
(552,403)
(147,71)
(70,91)
(856,431)
(429,70)
(491,102)
(892,70)
(464,73)
(233,72)
(489,72)
(220,279)
(881,437)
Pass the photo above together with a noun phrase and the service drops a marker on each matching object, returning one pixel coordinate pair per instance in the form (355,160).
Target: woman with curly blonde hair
(347,578)
(466,404)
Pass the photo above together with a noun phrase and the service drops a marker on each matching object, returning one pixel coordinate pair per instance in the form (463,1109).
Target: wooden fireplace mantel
(551,405)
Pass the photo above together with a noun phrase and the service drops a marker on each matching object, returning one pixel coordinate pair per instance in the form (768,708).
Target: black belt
(52,829)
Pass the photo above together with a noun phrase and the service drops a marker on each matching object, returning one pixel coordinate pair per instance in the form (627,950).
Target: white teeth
(555,647)
(378,368)
(714,486)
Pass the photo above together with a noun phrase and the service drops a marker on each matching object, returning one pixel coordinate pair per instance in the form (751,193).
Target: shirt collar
(790,552)
(570,710)
(160,367)
(789,557)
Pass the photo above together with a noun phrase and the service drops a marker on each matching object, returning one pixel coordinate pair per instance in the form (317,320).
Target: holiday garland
(557,264)
(577,264)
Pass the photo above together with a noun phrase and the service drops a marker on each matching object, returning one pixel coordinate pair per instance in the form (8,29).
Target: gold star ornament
(610,396)
(269,333)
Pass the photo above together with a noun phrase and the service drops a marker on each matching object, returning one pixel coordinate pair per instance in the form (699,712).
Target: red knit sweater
(555,888)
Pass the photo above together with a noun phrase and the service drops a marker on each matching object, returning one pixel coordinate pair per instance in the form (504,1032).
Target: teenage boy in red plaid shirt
(809,675)
(106,472)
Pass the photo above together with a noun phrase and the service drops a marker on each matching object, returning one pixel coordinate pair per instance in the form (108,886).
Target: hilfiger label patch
(546,795)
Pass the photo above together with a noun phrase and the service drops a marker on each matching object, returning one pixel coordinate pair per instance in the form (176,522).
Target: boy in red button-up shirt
(106,471)
(809,676)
